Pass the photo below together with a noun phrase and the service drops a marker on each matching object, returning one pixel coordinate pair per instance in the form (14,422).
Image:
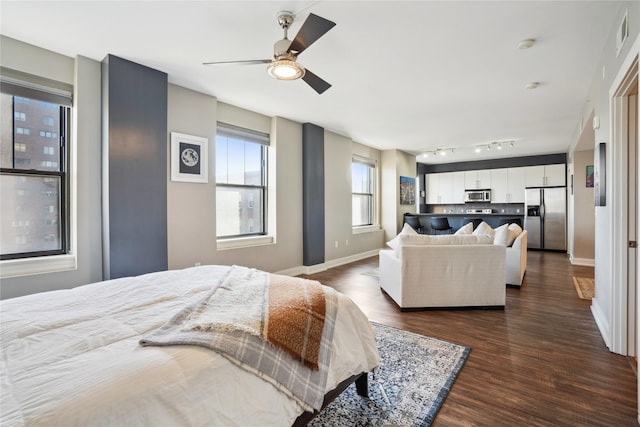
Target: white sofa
(516,260)
(444,275)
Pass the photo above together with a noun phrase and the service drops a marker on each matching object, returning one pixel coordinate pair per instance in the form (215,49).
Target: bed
(73,358)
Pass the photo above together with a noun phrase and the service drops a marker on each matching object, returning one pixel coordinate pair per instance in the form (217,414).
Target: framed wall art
(590,175)
(600,175)
(189,158)
(407,190)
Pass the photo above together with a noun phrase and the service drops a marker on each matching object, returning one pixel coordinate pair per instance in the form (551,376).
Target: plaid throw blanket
(278,327)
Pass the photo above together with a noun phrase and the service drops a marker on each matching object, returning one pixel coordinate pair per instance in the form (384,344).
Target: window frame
(261,139)
(373,225)
(57,259)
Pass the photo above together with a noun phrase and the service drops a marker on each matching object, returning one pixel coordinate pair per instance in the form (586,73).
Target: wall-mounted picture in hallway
(590,176)
(189,158)
(407,190)
(600,175)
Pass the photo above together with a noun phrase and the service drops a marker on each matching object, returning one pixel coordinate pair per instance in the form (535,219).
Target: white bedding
(72,358)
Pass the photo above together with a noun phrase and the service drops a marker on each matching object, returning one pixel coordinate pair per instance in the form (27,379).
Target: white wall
(395,163)
(584,211)
(607,219)
(340,241)
(84,75)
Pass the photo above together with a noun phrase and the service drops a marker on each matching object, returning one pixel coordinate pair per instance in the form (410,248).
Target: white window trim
(360,229)
(37,265)
(245,242)
(52,263)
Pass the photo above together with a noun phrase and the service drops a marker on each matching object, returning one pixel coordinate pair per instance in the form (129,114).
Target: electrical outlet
(337,244)
(346,242)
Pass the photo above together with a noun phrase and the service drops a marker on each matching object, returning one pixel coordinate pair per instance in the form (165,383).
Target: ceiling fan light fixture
(285,69)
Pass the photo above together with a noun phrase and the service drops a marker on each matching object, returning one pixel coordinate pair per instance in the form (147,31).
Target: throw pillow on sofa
(465,229)
(507,235)
(483,228)
(407,230)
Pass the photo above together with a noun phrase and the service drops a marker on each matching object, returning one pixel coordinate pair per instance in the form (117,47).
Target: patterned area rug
(411,384)
(584,287)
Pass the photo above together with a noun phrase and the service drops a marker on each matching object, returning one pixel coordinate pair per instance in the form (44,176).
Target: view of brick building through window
(30,213)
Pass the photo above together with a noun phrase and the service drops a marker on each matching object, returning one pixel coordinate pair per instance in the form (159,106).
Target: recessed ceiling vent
(622,34)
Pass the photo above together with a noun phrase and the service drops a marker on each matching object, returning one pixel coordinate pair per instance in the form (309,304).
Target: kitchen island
(457,220)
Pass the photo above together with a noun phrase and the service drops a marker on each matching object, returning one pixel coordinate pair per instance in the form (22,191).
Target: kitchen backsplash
(496,208)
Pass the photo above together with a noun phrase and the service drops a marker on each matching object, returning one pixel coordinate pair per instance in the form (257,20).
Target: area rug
(584,287)
(408,389)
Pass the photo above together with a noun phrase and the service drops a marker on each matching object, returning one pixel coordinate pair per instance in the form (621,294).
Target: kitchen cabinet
(445,188)
(507,185)
(432,184)
(545,176)
(499,185)
(477,180)
(457,190)
(516,185)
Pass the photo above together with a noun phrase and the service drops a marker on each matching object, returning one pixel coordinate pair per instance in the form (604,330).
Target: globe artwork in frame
(189,158)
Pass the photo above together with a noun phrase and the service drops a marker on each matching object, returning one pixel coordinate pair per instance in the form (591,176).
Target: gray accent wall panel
(134,168)
(312,194)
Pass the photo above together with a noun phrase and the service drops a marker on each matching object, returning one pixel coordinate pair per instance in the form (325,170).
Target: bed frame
(362,387)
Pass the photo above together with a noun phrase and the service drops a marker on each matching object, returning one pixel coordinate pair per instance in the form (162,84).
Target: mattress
(72,358)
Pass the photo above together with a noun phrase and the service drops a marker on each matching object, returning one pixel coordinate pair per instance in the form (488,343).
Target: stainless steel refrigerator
(546,217)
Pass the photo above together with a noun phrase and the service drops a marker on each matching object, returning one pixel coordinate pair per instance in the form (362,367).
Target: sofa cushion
(443,239)
(465,229)
(407,230)
(515,227)
(507,235)
(483,228)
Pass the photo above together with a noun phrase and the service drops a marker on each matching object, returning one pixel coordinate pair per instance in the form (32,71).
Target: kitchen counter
(457,220)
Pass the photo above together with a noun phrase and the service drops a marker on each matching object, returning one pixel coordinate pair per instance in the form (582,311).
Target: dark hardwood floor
(540,362)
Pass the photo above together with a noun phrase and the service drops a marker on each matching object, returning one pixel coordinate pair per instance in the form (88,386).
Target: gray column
(312,194)
(134,168)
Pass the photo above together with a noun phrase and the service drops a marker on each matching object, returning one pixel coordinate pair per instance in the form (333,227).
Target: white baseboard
(601,322)
(582,261)
(312,269)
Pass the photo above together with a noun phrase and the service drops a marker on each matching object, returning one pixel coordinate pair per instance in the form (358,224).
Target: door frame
(618,96)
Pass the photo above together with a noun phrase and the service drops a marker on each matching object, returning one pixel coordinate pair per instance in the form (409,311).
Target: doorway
(625,262)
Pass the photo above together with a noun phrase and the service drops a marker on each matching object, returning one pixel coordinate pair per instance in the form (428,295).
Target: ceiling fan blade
(312,29)
(315,82)
(248,62)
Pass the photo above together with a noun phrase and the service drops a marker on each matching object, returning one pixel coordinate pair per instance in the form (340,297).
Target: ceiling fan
(283,66)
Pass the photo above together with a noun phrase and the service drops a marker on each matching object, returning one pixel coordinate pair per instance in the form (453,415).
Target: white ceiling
(412,75)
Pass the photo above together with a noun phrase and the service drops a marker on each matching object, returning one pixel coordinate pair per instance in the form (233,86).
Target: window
(362,192)
(33,179)
(241,181)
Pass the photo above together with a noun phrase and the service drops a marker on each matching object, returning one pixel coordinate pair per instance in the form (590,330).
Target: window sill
(37,265)
(244,242)
(365,229)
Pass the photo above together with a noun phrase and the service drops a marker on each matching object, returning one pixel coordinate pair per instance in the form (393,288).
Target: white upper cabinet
(507,185)
(516,185)
(555,175)
(432,185)
(457,191)
(545,176)
(478,179)
(445,188)
(499,186)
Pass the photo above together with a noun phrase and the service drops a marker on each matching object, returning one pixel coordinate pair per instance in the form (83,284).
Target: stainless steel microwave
(477,196)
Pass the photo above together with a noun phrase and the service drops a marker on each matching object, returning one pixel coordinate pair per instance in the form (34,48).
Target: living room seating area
(468,269)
